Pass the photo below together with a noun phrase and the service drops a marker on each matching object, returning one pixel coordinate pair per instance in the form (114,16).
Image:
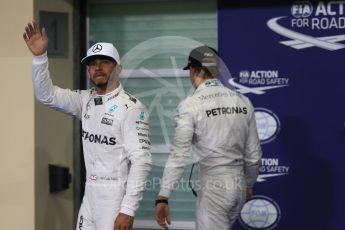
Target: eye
(105,62)
(92,63)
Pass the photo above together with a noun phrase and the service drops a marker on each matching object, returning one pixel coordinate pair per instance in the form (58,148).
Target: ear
(88,73)
(192,70)
(118,69)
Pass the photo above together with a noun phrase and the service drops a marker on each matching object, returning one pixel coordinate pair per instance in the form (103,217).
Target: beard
(105,83)
(101,79)
(102,84)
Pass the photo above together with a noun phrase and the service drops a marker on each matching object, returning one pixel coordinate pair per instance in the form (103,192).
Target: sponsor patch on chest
(107,121)
(98,138)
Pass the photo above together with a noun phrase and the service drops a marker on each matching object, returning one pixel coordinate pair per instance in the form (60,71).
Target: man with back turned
(218,124)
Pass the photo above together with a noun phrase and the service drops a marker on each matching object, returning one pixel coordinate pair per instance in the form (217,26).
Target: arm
(176,164)
(180,152)
(253,153)
(137,149)
(63,100)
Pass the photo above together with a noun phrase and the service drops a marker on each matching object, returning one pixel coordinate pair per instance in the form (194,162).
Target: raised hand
(36,39)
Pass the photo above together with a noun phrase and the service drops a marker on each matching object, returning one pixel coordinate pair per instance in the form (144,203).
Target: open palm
(36,39)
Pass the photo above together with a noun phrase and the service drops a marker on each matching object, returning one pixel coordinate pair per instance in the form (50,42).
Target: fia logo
(301,9)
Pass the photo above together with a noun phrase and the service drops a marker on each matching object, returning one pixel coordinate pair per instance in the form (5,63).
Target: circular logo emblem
(267,123)
(301,9)
(260,212)
(168,83)
(96,48)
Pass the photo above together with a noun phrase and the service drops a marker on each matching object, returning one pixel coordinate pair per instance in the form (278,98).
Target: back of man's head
(205,60)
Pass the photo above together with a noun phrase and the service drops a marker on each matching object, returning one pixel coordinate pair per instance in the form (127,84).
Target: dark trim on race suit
(80,82)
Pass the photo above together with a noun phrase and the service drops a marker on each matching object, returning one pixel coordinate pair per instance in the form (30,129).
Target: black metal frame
(80,82)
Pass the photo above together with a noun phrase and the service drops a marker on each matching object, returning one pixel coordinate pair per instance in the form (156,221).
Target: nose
(98,65)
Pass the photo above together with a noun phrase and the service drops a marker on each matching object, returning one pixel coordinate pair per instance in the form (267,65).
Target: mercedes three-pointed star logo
(96,48)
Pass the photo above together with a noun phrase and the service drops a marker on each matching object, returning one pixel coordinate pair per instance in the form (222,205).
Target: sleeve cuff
(127,211)
(164,192)
(40,58)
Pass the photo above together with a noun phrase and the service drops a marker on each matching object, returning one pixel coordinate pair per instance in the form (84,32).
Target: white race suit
(116,145)
(220,125)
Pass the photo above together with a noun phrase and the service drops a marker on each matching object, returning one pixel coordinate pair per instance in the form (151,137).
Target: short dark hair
(208,72)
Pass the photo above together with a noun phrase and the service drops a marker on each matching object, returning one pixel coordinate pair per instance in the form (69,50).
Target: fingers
(32,29)
(37,29)
(168,219)
(34,23)
(162,221)
(44,32)
(28,33)
(117,226)
(123,222)
(25,37)
(122,227)
(163,225)
(249,193)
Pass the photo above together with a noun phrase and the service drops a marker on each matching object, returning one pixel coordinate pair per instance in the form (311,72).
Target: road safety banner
(288,57)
